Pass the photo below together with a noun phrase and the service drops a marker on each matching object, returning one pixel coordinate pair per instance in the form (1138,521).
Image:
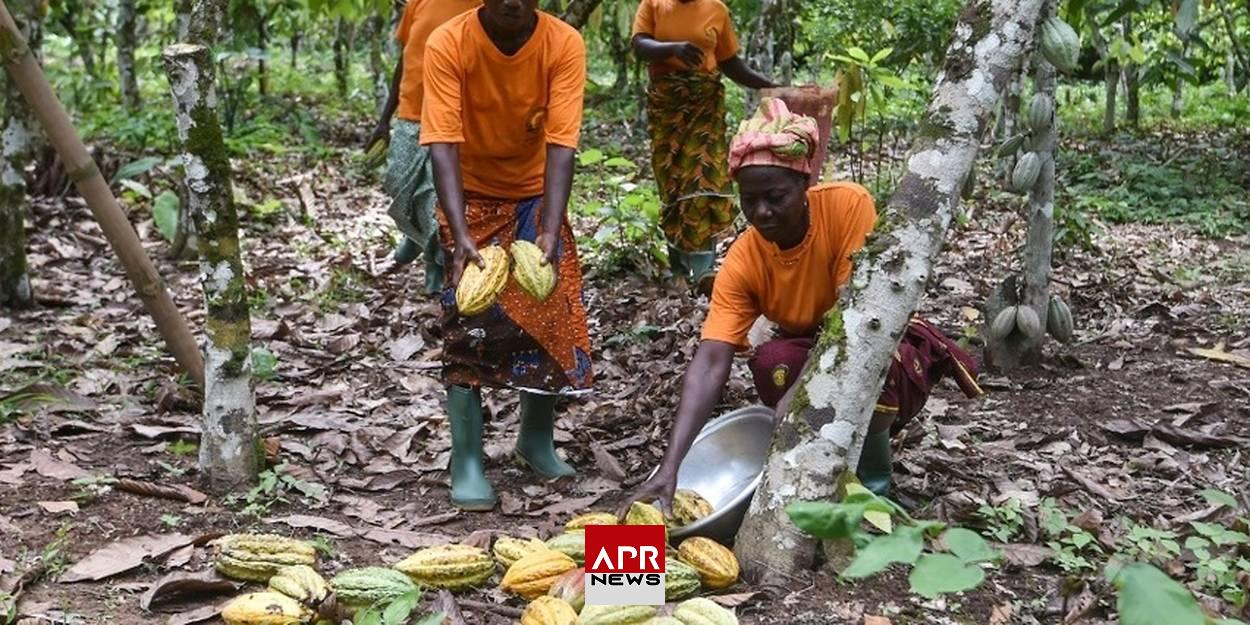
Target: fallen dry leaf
(122,555)
(1025,555)
(404,538)
(733,600)
(47,466)
(607,462)
(330,526)
(197,615)
(58,507)
(182,587)
(1218,354)
(177,492)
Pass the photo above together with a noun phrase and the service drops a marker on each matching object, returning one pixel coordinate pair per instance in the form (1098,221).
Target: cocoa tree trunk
(262,43)
(342,56)
(17,143)
(823,430)
(1110,74)
(126,78)
(376,67)
(204,25)
(1032,287)
(761,45)
(26,74)
(1132,111)
(182,19)
(578,12)
(230,449)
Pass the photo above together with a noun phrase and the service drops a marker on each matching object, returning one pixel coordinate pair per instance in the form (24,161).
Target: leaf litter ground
(1127,422)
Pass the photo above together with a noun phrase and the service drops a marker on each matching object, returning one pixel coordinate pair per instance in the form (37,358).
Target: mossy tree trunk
(17,147)
(578,12)
(822,432)
(343,56)
(1032,287)
(1132,92)
(762,43)
(230,451)
(126,78)
(377,68)
(1110,73)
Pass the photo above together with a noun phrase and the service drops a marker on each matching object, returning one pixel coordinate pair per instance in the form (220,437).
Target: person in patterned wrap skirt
(688,44)
(502,116)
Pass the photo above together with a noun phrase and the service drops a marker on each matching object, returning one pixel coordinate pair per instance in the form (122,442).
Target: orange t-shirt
(503,110)
(705,23)
(793,288)
(420,19)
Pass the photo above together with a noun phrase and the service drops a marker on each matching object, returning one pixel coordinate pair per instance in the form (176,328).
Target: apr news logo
(625,564)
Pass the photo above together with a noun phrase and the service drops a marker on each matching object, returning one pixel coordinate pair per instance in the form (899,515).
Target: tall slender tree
(127,80)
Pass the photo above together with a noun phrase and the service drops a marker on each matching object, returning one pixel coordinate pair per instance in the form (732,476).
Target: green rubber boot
(677,263)
(535,445)
(407,251)
(876,464)
(469,488)
(703,268)
(434,270)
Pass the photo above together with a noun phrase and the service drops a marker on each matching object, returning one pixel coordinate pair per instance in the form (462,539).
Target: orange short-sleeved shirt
(793,288)
(503,110)
(705,23)
(420,19)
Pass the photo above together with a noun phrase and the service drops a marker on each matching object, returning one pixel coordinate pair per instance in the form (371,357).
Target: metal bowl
(724,465)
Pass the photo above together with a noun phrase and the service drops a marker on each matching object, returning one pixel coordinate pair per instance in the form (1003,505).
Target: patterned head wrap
(775,136)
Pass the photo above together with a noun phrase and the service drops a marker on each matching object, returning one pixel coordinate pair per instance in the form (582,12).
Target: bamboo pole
(30,80)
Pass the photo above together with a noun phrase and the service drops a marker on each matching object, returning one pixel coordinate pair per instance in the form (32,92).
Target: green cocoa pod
(1024,176)
(1004,322)
(1028,322)
(1059,320)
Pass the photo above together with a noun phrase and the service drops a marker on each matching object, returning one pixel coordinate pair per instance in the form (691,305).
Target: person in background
(409,180)
(790,267)
(689,44)
(502,117)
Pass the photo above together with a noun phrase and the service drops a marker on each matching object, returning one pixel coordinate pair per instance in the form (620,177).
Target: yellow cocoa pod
(663,620)
(616,614)
(262,608)
(689,506)
(257,557)
(479,287)
(530,273)
(302,583)
(533,574)
(579,523)
(453,567)
(643,514)
(508,550)
(548,611)
(716,564)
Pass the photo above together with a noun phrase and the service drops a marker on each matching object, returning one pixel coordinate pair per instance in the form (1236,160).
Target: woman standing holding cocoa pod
(688,44)
(502,116)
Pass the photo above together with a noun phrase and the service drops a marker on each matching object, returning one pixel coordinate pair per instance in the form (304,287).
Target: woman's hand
(660,487)
(687,53)
(464,253)
(381,132)
(550,245)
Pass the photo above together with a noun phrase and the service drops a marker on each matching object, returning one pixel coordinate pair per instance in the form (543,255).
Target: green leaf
(138,187)
(137,168)
(617,162)
(165,214)
(1219,498)
(894,82)
(881,54)
(939,573)
(968,545)
(1147,596)
(826,520)
(903,546)
(858,54)
(590,157)
(398,611)
(264,363)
